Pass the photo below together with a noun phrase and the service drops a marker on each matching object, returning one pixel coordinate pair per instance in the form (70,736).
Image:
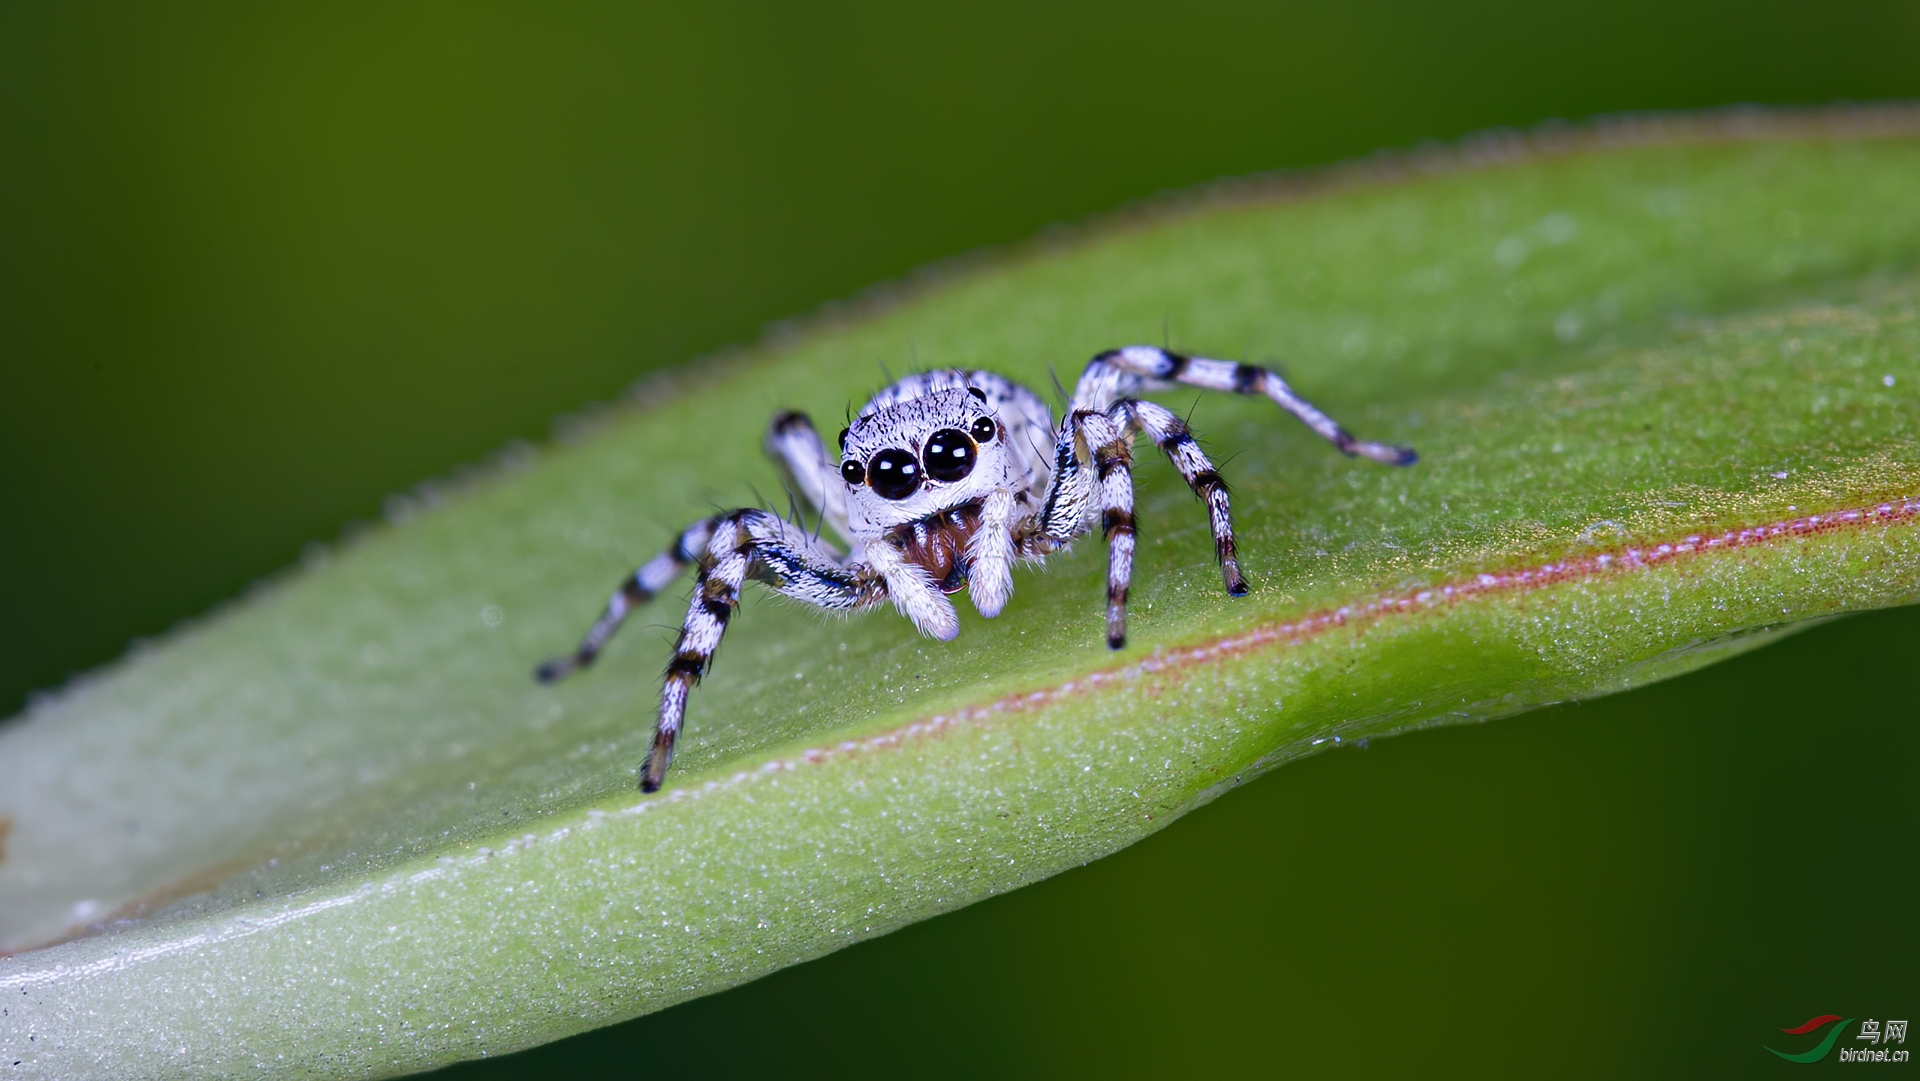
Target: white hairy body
(943,482)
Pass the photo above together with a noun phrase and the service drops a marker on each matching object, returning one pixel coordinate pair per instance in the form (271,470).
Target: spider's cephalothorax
(944,480)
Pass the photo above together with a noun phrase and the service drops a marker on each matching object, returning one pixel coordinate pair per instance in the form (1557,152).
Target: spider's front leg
(1124,373)
(761,546)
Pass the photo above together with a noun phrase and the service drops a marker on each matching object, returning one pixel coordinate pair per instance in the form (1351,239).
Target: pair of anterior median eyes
(896,474)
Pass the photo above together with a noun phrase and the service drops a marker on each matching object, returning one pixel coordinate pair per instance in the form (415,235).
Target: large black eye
(983,430)
(949,455)
(894,474)
(852,472)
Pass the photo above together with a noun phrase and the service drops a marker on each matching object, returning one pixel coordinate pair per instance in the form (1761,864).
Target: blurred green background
(262,265)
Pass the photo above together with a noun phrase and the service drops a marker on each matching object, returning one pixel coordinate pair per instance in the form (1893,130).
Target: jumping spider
(944,480)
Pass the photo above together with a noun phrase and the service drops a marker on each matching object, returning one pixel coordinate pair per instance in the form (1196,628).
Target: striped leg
(635,590)
(1112,448)
(1173,436)
(814,474)
(1109,439)
(1124,373)
(747,544)
(1070,496)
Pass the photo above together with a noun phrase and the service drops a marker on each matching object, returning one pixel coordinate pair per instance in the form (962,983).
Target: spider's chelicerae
(944,480)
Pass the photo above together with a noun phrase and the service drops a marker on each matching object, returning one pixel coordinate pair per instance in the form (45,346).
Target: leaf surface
(1665,396)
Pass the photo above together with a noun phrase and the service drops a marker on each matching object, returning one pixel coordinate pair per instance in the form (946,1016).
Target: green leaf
(1665,395)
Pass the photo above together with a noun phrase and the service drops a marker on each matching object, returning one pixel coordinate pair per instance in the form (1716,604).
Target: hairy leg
(635,590)
(811,470)
(1111,446)
(1173,437)
(1067,508)
(1125,373)
(747,544)
(1108,439)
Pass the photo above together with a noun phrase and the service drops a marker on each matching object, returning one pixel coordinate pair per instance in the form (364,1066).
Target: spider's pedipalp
(914,592)
(991,553)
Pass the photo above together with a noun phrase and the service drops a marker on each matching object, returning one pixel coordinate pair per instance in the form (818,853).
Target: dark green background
(261,265)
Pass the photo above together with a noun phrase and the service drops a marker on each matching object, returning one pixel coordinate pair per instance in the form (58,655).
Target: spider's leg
(1112,447)
(747,544)
(811,470)
(1124,373)
(1172,435)
(1070,493)
(635,590)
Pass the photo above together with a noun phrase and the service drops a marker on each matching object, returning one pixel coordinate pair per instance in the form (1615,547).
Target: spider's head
(918,457)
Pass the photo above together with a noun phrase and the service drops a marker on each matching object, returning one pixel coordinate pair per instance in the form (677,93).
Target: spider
(945,479)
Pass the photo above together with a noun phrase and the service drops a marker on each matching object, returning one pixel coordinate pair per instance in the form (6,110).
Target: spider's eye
(894,474)
(983,430)
(852,472)
(949,455)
